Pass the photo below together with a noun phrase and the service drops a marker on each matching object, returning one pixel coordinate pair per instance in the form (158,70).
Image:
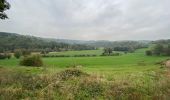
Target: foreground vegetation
(73,84)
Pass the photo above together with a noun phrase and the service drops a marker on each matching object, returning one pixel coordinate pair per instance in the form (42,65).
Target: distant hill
(167,41)
(92,42)
(12,41)
(105,43)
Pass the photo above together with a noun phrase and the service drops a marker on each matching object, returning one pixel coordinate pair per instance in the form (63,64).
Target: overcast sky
(90,19)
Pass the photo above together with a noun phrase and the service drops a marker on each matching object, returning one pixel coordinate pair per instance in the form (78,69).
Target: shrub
(32,60)
(89,88)
(148,53)
(68,73)
(17,54)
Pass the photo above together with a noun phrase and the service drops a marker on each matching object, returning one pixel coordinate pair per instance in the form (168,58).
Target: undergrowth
(73,84)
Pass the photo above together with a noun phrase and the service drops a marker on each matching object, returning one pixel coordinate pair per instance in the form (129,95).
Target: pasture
(130,62)
(135,75)
(83,52)
(108,66)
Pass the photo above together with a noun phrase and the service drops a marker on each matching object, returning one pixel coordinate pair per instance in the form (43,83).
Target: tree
(4,5)
(167,50)
(158,49)
(107,51)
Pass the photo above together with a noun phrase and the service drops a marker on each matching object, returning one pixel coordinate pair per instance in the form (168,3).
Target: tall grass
(73,84)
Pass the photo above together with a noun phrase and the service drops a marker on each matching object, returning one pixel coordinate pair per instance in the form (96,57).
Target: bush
(148,53)
(32,60)
(68,73)
(17,54)
(89,88)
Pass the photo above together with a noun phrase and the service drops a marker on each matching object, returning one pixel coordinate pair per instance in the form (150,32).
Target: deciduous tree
(4,5)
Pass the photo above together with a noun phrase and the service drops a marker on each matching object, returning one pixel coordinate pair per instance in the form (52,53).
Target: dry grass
(73,84)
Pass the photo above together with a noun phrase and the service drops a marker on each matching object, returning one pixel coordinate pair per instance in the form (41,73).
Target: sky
(90,19)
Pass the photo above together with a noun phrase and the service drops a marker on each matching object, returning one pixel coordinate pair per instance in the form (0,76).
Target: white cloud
(90,19)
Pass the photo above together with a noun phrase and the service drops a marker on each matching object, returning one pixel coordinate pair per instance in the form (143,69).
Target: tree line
(11,42)
(120,45)
(159,49)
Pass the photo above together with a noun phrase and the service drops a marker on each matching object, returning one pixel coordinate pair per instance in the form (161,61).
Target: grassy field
(83,52)
(127,62)
(100,65)
(135,74)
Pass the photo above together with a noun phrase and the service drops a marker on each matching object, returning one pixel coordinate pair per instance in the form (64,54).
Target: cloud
(90,19)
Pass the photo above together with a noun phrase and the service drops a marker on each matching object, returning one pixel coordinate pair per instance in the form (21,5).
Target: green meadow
(125,62)
(83,52)
(108,66)
(131,76)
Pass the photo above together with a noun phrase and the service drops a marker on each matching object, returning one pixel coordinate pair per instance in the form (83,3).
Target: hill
(12,41)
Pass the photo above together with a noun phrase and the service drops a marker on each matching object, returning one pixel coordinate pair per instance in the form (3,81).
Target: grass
(83,52)
(133,76)
(73,84)
(112,61)
(126,62)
